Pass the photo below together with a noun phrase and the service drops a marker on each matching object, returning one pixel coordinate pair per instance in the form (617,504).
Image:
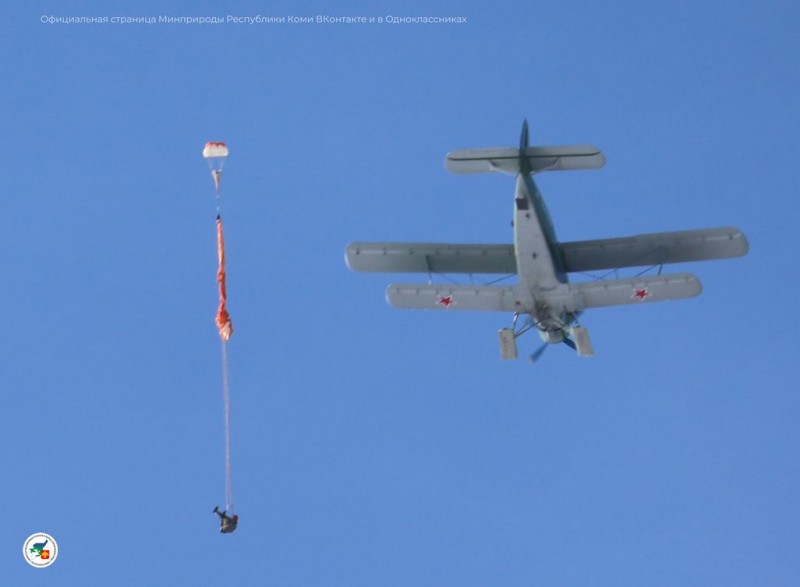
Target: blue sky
(373,446)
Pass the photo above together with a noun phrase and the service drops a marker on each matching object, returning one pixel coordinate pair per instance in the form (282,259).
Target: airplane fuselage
(540,266)
(538,261)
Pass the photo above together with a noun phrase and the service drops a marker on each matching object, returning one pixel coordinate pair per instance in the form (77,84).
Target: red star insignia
(445,301)
(641,293)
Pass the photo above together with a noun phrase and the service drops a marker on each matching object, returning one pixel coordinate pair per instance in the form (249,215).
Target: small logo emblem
(40,550)
(445,301)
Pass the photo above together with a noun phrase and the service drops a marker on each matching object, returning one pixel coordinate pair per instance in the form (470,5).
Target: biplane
(543,297)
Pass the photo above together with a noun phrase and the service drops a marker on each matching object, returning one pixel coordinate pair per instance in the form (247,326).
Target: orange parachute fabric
(223,318)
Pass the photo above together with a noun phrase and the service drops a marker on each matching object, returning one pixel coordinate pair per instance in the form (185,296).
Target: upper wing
(654,249)
(613,253)
(430,258)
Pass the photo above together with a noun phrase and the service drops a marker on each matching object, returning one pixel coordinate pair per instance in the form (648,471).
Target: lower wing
(638,290)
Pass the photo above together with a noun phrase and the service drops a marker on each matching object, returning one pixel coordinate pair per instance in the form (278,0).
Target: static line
(226,398)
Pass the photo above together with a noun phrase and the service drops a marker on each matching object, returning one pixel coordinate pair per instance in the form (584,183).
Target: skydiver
(226,524)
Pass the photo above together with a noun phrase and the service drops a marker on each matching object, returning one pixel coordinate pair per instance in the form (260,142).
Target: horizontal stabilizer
(654,249)
(430,258)
(540,159)
(453,297)
(638,290)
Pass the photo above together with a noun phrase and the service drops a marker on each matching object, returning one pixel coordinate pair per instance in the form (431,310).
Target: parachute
(215,150)
(215,154)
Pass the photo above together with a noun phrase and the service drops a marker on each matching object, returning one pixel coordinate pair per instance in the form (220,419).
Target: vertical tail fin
(523,138)
(524,164)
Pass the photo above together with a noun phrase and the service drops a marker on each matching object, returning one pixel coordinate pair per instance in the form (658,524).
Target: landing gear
(583,345)
(508,344)
(508,337)
(565,330)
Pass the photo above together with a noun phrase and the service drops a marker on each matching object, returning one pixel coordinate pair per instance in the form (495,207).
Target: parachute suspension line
(226,399)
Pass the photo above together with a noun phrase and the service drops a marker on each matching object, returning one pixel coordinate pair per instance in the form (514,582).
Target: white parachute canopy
(215,153)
